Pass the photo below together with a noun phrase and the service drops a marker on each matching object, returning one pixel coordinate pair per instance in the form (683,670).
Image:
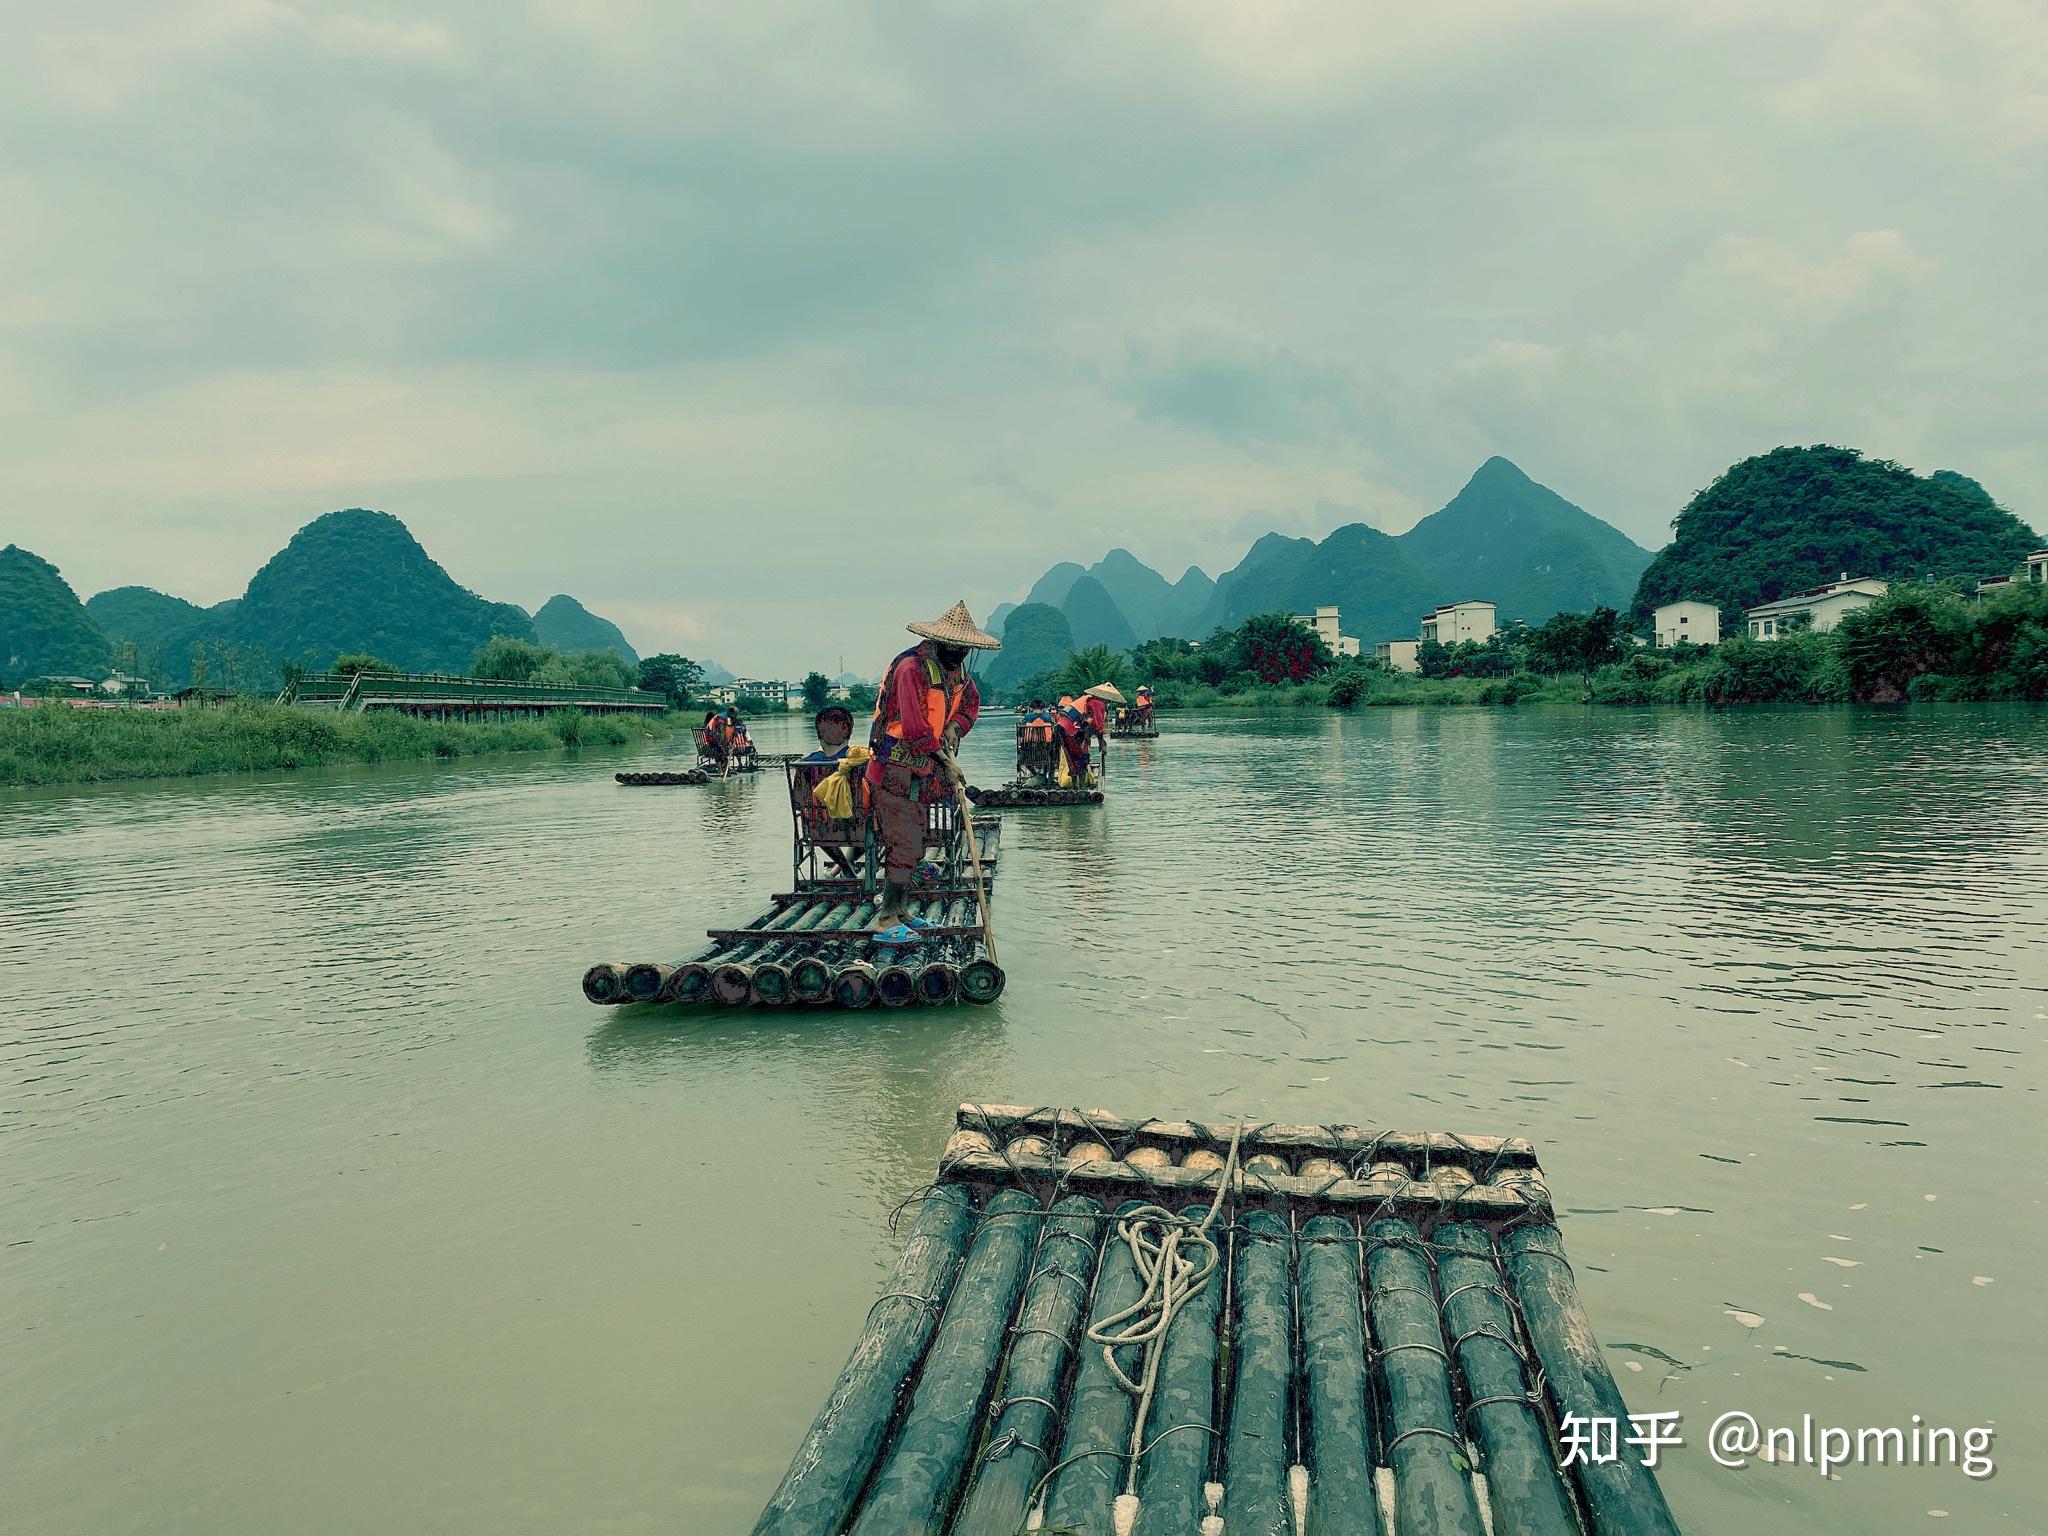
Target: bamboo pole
(1017,1451)
(644,982)
(1521,1466)
(838,1453)
(1336,1390)
(914,1490)
(1622,1495)
(1262,1365)
(1171,1497)
(605,984)
(1433,1493)
(1097,1433)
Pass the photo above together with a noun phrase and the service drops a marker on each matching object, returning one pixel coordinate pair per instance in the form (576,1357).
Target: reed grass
(55,744)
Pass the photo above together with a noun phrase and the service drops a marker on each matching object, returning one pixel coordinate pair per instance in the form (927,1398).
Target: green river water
(330,1206)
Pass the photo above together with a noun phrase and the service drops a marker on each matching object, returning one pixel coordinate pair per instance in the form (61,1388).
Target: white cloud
(632,299)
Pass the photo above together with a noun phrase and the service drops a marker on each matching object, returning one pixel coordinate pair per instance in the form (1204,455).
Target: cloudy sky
(762,327)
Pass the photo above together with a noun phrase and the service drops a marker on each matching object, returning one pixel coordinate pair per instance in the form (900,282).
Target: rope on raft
(1171,1279)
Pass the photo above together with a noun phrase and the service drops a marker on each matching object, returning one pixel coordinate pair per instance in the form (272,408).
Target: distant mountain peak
(567,625)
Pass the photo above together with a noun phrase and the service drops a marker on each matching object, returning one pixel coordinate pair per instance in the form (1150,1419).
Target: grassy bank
(57,745)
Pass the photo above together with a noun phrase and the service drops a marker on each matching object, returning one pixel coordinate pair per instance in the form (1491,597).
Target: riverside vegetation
(55,744)
(1919,641)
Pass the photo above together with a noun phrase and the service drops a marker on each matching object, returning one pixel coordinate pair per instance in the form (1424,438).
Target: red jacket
(905,698)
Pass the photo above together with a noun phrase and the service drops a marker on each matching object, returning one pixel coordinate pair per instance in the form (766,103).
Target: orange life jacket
(942,699)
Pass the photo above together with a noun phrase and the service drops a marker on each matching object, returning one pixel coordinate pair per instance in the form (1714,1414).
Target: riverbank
(55,745)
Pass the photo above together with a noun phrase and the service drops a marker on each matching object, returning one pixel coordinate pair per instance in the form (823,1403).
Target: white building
(1823,606)
(1326,626)
(1398,654)
(2037,566)
(1687,623)
(1456,622)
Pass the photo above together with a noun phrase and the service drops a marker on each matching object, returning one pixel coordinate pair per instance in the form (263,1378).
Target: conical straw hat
(956,626)
(1107,692)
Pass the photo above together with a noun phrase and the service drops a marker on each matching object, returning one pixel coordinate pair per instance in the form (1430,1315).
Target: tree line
(1918,641)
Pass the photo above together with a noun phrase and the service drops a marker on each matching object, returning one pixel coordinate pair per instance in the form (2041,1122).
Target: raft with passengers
(1134,721)
(891,873)
(1062,753)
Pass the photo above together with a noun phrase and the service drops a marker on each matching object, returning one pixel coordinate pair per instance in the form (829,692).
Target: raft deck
(814,946)
(1386,1343)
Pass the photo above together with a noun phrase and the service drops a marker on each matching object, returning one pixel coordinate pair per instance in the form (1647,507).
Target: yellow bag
(835,791)
(1064,777)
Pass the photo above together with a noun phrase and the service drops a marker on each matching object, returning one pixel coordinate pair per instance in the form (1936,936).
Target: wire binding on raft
(1181,1342)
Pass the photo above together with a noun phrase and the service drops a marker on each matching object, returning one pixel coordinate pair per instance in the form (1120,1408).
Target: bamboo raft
(689,776)
(1386,1342)
(814,947)
(1133,732)
(1018,796)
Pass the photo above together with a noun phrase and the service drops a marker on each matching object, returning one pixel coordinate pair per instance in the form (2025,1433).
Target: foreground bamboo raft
(814,946)
(1386,1343)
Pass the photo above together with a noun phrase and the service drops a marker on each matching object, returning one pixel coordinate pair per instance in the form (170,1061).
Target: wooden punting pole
(1622,1495)
(915,1488)
(834,1461)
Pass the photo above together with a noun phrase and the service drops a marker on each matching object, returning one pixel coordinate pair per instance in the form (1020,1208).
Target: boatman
(1144,705)
(927,704)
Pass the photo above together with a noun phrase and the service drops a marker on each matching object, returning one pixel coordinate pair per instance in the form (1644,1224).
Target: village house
(1325,623)
(1399,655)
(1820,609)
(1687,623)
(1454,623)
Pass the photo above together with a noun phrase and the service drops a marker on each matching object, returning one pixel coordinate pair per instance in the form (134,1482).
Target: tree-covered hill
(44,628)
(1036,639)
(1788,520)
(142,616)
(353,581)
(1522,547)
(1378,590)
(1093,616)
(568,626)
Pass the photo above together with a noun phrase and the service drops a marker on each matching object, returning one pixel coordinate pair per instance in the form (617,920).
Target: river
(330,1205)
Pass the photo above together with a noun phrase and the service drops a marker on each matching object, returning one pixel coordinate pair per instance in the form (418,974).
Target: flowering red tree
(1277,650)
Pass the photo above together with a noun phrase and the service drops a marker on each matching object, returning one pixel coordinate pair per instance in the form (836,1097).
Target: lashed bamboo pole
(1262,1366)
(914,1490)
(1336,1390)
(839,1452)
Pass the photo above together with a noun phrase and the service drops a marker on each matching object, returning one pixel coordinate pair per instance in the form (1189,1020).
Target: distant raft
(815,947)
(1019,796)
(1372,1331)
(688,776)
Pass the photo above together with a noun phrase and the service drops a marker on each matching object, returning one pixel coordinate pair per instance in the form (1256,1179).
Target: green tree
(509,659)
(1096,664)
(349,663)
(1577,642)
(860,698)
(674,677)
(599,669)
(1910,631)
(817,689)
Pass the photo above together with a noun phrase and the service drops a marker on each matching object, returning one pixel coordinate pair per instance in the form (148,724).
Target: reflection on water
(332,1205)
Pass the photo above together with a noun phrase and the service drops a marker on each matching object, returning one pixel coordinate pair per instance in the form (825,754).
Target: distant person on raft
(928,703)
